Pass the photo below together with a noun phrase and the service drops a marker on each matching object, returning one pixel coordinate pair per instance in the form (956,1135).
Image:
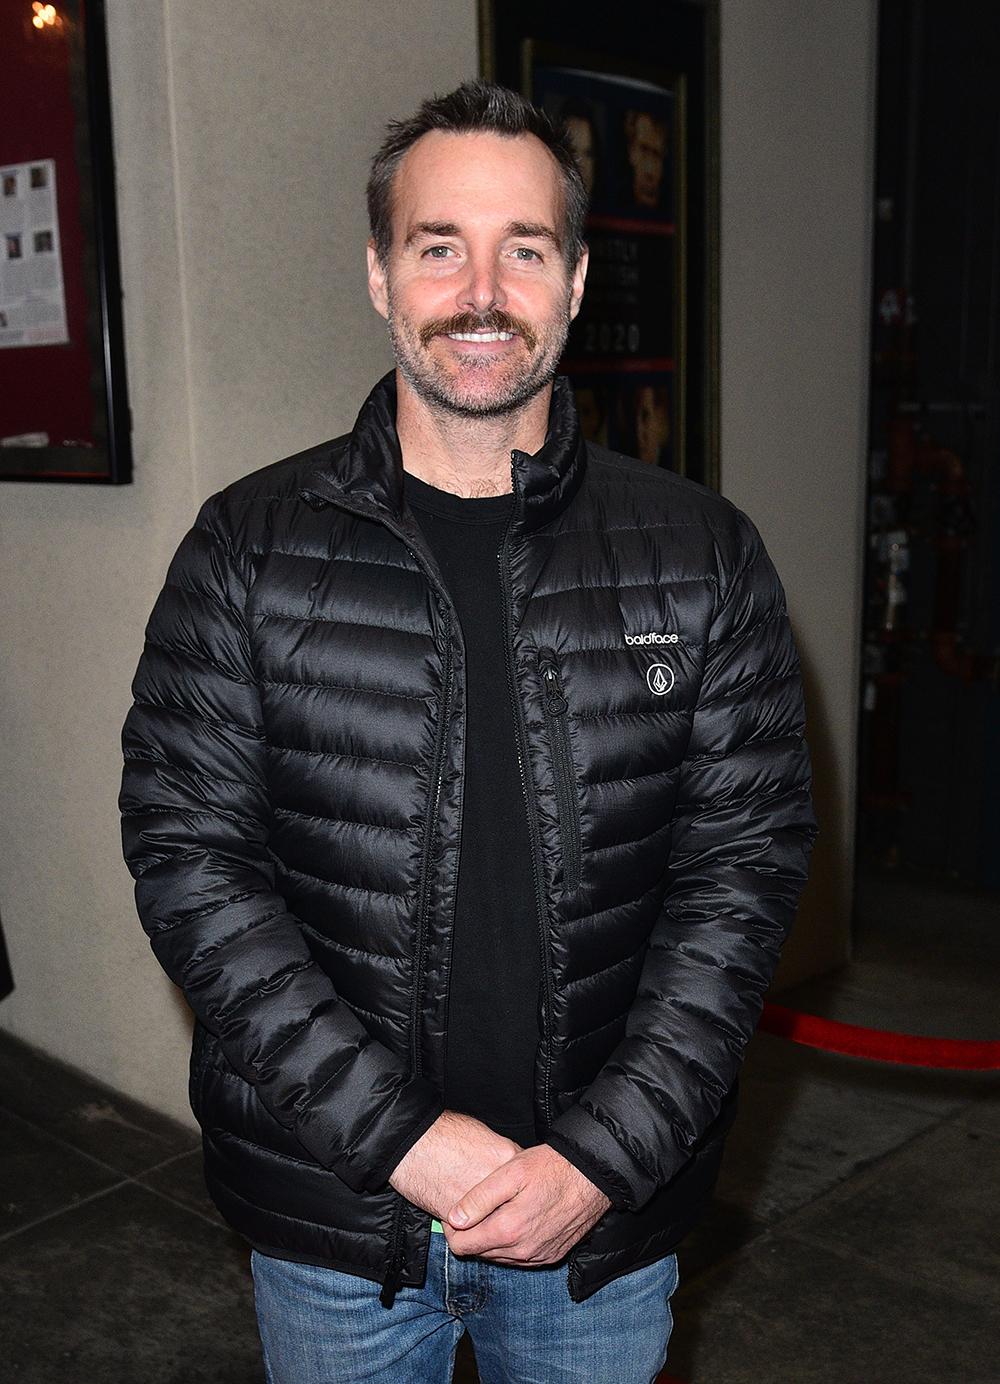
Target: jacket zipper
(397,1261)
(424,905)
(397,1252)
(556,707)
(397,1257)
(533,832)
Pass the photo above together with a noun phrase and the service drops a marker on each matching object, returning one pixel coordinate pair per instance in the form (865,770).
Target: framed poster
(63,407)
(626,354)
(637,88)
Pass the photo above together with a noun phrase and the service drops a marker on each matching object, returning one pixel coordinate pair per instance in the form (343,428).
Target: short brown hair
(476,106)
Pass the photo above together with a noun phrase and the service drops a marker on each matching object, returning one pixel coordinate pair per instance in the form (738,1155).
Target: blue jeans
(319,1326)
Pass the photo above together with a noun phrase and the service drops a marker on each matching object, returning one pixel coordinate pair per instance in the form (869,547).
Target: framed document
(642,355)
(63,407)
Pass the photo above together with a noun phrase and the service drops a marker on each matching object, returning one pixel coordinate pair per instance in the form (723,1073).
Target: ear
(377,289)
(579,280)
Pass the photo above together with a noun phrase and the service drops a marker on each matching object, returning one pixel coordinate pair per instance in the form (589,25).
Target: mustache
(496,320)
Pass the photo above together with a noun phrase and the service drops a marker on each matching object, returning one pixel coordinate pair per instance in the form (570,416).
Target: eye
(438,251)
(524,253)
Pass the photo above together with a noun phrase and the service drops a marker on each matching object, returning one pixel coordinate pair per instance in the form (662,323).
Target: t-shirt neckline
(485,509)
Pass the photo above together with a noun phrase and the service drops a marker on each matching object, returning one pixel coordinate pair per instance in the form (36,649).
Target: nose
(482,290)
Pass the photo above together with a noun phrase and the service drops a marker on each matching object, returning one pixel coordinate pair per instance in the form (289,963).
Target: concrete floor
(854,1238)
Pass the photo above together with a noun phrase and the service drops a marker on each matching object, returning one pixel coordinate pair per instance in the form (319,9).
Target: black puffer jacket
(292,802)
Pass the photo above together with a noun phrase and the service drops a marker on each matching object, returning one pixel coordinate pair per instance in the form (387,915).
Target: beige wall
(241,157)
(242,151)
(797,114)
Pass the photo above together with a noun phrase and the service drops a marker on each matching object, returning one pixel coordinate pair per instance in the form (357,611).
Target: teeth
(480,336)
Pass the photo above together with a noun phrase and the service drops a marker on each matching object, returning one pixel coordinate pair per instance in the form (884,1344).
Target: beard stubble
(513,383)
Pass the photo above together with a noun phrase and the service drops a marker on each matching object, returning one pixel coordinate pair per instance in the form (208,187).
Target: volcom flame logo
(660,678)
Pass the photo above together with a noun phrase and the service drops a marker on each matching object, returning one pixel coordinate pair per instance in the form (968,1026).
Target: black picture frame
(674,45)
(96,344)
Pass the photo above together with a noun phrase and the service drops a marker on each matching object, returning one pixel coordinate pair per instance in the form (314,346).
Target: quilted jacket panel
(292,803)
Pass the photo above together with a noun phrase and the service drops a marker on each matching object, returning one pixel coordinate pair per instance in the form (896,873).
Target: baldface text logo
(660,678)
(651,639)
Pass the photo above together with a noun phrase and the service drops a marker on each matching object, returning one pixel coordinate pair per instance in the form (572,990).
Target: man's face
(647,147)
(652,424)
(476,291)
(581,136)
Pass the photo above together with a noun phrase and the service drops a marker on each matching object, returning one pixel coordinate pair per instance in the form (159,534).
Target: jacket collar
(367,475)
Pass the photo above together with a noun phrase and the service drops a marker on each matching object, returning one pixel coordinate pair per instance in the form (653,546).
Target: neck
(466,456)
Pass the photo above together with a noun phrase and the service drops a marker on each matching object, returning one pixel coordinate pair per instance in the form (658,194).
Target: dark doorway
(930,721)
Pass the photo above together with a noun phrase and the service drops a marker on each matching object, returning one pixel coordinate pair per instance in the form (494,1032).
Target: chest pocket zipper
(556,707)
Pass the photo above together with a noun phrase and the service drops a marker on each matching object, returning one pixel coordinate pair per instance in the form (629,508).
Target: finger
(516,1259)
(502,1248)
(485,1241)
(483,1199)
(517,1233)
(505,1236)
(499,1230)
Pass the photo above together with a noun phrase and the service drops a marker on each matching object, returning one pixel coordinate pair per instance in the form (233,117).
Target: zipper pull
(393,1279)
(316,502)
(555,703)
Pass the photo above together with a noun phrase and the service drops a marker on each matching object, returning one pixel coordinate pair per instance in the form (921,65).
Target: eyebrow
(431,228)
(529,230)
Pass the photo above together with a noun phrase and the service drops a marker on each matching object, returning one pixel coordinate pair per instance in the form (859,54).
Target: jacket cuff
(591,1170)
(589,1146)
(380,1175)
(366,1163)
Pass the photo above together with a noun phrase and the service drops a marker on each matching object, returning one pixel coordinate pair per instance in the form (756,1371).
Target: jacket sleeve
(742,830)
(196,813)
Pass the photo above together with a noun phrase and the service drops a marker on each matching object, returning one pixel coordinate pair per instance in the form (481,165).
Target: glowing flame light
(44,14)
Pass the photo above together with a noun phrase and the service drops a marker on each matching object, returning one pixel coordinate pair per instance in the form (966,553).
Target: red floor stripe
(959,1054)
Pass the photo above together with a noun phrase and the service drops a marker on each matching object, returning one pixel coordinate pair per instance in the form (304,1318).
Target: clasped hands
(495,1200)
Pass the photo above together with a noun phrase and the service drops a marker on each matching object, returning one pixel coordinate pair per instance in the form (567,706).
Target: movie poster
(625,354)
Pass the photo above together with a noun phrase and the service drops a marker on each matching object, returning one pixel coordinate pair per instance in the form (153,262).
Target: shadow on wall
(821,936)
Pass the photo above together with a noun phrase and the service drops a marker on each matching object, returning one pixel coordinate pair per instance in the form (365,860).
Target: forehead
(476,179)
(650,132)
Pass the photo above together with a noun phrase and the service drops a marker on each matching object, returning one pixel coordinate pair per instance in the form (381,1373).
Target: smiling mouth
(480,336)
(489,328)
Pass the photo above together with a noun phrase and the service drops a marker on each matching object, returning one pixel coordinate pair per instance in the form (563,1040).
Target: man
(467,800)
(652,423)
(646,142)
(578,120)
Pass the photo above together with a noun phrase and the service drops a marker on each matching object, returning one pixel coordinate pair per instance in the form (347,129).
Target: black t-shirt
(496,956)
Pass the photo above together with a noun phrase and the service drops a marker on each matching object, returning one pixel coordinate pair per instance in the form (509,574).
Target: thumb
(481,1200)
